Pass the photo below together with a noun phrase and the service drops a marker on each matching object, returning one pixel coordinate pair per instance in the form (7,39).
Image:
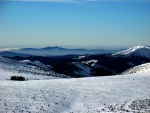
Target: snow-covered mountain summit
(139,69)
(143,51)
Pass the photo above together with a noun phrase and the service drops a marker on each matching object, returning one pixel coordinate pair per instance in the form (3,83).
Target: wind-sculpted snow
(138,69)
(113,94)
(143,51)
(27,67)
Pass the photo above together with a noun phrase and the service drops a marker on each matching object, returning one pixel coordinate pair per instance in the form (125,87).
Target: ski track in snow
(121,94)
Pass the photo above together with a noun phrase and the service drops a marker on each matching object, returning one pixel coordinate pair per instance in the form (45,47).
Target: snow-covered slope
(27,67)
(37,63)
(143,51)
(113,94)
(6,75)
(138,69)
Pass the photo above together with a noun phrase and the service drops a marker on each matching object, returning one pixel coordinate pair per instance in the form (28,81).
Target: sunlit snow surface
(122,93)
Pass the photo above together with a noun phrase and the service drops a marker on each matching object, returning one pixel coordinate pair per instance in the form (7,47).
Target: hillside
(49,51)
(27,67)
(138,69)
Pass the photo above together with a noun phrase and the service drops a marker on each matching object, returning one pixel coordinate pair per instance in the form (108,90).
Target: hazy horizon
(68,47)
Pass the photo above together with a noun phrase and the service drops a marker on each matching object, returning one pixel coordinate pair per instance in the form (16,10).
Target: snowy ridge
(138,69)
(37,63)
(27,67)
(143,51)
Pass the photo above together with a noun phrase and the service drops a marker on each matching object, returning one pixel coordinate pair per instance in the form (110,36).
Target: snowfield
(46,94)
(121,94)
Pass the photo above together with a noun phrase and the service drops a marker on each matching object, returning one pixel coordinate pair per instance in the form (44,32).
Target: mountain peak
(143,51)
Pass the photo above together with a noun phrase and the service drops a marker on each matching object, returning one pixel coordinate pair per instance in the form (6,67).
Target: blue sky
(77,23)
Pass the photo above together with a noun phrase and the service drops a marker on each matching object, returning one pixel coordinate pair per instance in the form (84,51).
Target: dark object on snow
(18,78)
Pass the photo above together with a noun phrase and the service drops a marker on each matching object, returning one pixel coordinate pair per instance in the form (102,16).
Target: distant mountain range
(87,65)
(50,51)
(102,65)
